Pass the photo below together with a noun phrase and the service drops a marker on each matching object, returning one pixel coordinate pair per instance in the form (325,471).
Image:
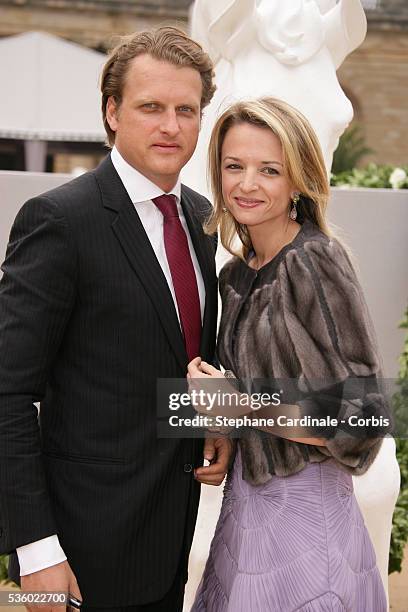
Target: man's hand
(59,577)
(218,451)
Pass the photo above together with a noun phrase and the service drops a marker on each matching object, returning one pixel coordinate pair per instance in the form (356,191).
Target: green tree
(399,535)
(3,568)
(350,150)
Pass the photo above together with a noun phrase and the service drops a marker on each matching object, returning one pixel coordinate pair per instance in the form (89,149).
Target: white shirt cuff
(38,555)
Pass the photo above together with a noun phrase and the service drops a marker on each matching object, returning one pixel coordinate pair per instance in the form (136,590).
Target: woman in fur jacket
(294,328)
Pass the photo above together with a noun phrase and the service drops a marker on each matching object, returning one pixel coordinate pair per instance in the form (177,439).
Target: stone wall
(375,77)
(90,23)
(389,14)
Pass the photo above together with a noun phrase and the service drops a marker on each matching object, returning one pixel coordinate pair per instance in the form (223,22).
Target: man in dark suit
(109,284)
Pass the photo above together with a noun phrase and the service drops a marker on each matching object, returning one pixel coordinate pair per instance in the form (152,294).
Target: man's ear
(111,113)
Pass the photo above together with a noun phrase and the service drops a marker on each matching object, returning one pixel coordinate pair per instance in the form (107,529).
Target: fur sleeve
(224,274)
(332,337)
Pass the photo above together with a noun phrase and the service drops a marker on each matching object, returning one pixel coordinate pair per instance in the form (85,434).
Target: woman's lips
(248,203)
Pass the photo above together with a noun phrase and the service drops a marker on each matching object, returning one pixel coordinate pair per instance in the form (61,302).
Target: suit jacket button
(188,467)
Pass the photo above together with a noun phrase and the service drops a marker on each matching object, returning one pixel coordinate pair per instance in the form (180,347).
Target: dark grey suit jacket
(87,325)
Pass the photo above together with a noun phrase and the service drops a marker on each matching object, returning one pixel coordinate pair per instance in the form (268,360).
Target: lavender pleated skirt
(295,543)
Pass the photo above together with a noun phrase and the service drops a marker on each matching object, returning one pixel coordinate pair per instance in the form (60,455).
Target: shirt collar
(138,186)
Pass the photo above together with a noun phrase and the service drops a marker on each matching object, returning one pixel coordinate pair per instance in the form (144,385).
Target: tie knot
(167,205)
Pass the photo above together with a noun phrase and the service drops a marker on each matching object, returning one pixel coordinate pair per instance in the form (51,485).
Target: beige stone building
(93,23)
(375,77)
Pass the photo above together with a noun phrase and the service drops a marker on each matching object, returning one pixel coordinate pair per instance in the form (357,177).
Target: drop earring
(293,210)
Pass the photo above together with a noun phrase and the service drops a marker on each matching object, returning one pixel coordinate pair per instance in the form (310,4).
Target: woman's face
(254,185)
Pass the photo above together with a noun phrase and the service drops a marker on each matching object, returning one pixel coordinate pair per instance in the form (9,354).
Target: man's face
(157,124)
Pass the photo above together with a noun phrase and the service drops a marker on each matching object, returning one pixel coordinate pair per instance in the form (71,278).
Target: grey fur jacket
(303,317)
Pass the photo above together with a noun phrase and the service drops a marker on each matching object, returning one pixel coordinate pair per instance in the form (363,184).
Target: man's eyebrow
(153,100)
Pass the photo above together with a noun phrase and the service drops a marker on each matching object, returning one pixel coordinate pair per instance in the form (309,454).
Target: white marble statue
(290,50)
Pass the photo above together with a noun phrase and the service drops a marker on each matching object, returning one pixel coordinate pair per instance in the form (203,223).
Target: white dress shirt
(141,191)
(44,553)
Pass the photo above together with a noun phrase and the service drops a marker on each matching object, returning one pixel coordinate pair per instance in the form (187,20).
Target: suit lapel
(206,258)
(136,245)
(199,239)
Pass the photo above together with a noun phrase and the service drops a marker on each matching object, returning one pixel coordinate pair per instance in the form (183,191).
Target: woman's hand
(201,376)
(208,384)
(208,388)
(197,368)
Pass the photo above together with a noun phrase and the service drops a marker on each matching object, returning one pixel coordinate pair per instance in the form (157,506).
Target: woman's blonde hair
(302,161)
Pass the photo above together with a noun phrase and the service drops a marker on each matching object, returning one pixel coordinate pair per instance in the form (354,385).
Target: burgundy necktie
(182,273)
